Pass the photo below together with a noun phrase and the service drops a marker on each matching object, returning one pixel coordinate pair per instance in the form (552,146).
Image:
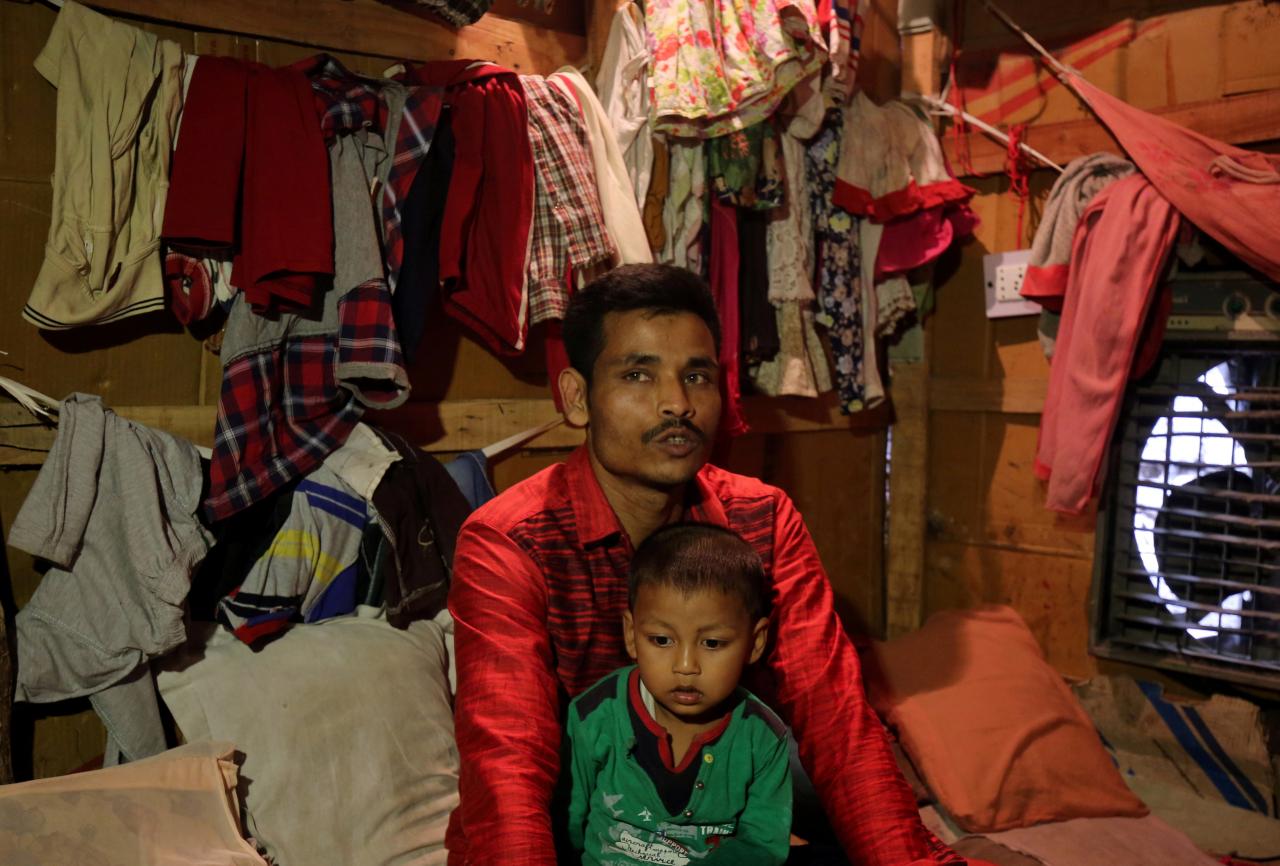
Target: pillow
(996,733)
(175,807)
(347,732)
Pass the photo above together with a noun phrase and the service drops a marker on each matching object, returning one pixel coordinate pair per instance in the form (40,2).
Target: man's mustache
(671,424)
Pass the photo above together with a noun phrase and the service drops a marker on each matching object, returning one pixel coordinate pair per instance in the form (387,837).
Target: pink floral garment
(722,65)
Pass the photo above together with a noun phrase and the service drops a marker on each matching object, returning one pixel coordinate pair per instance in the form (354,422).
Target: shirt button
(698,784)
(708,758)
(688,813)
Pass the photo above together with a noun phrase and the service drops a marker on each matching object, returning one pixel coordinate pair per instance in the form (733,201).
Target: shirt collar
(595,517)
(591,510)
(641,701)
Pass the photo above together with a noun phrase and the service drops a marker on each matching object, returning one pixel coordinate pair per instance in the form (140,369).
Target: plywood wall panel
(1050,592)
(836,480)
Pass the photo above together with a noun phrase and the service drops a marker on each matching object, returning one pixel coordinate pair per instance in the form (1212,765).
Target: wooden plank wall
(835,475)
(989,538)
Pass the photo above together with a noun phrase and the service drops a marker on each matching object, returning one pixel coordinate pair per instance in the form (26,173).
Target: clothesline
(937,106)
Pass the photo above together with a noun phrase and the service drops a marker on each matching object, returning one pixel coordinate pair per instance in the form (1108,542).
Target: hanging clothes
(568,228)
(308,572)
(119,92)
(655,201)
(892,172)
(422,217)
(622,221)
(1118,259)
(1081,180)
(800,366)
(841,275)
(470,471)
(419,511)
(726,65)
(623,85)
(198,279)
(266,198)
(891,164)
(114,509)
(1049,265)
(294,387)
(723,280)
(745,167)
(757,318)
(1230,193)
(487,225)
(684,213)
(845,49)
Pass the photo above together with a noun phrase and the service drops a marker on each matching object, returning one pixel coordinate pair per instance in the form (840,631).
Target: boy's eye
(714,643)
(698,378)
(660,640)
(635,375)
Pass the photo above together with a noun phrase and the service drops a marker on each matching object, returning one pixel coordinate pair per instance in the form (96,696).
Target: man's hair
(693,557)
(658,289)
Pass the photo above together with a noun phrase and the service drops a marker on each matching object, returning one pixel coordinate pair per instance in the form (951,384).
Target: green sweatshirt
(739,808)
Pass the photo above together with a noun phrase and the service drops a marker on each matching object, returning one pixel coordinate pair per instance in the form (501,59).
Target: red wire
(1019,173)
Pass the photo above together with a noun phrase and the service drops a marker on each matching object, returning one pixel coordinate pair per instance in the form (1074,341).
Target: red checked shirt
(539,587)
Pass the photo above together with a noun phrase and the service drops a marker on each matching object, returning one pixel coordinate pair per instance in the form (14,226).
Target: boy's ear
(573,397)
(759,638)
(629,633)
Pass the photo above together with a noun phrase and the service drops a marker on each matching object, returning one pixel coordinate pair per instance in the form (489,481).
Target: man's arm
(507,711)
(819,693)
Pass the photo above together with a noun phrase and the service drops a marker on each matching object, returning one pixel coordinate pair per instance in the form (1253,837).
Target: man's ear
(759,637)
(573,397)
(629,633)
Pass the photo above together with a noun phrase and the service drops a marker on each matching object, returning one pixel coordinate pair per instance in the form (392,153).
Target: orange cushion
(996,733)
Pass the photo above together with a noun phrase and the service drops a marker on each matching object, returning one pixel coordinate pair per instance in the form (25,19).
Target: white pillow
(347,732)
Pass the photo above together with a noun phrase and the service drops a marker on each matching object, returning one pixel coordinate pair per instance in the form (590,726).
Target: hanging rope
(1019,172)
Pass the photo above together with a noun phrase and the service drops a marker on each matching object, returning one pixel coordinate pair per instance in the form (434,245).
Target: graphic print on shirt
(643,846)
(661,845)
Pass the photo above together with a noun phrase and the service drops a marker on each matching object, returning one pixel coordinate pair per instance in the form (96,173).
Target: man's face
(654,401)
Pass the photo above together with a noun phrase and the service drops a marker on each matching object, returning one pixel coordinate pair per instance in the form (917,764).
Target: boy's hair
(700,556)
(659,289)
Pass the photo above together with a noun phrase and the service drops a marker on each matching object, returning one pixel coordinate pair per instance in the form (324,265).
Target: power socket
(1002,276)
(1009,282)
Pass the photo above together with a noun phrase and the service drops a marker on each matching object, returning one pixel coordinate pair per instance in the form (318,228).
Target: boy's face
(691,649)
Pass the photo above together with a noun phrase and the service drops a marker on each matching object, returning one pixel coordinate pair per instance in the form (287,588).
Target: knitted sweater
(738,810)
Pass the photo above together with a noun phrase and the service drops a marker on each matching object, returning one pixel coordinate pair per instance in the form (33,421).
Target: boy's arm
(764,828)
(507,709)
(820,694)
(582,780)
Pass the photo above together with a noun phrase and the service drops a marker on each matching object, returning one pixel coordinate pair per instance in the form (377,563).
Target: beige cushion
(178,807)
(347,732)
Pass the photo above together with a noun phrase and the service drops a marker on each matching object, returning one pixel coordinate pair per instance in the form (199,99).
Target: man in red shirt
(540,585)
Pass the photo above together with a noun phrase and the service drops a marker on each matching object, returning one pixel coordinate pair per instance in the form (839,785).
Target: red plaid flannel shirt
(539,587)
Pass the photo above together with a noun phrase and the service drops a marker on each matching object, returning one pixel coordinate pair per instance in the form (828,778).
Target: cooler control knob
(1273,306)
(1235,306)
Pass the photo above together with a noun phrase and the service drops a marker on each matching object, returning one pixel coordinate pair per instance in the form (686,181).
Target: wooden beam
(908,499)
(1007,396)
(448,426)
(1246,119)
(909,457)
(368,27)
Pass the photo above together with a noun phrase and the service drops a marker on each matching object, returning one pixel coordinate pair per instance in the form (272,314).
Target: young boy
(670,761)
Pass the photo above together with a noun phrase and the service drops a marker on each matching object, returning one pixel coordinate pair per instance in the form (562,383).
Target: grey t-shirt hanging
(113,509)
